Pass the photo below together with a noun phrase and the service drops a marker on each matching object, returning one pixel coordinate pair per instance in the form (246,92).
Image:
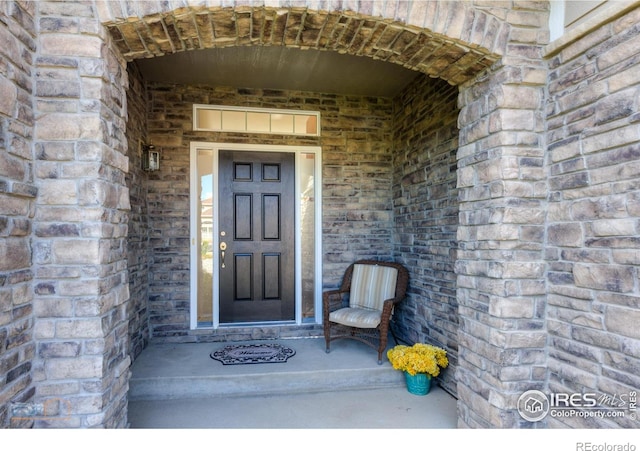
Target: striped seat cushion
(370,286)
(356,317)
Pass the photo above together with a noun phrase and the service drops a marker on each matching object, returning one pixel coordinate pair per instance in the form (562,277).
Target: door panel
(257,271)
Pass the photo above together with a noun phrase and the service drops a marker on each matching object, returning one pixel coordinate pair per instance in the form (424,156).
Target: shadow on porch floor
(180,386)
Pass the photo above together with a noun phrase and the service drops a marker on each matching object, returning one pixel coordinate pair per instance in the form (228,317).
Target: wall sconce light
(150,158)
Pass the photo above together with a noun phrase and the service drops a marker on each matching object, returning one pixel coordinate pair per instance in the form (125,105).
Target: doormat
(253,353)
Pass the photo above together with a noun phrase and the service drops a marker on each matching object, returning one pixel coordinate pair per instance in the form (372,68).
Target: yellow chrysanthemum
(419,358)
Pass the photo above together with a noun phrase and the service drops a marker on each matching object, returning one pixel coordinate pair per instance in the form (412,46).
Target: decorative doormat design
(253,353)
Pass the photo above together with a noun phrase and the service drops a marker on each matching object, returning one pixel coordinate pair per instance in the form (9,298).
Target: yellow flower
(419,358)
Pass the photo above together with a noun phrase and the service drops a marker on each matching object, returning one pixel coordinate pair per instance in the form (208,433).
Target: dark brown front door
(257,204)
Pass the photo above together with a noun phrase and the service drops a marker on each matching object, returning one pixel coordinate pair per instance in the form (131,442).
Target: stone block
(21,294)
(626,257)
(569,181)
(15,253)
(44,329)
(79,328)
(86,287)
(512,307)
(598,208)
(12,167)
(86,404)
(74,368)
(52,307)
(565,234)
(58,88)
(76,251)
(57,192)
(566,371)
(58,389)
(498,232)
(14,205)
(614,227)
(8,97)
(73,45)
(69,127)
(623,321)
(596,337)
(516,270)
(617,278)
(59,349)
(625,136)
(57,230)
(624,79)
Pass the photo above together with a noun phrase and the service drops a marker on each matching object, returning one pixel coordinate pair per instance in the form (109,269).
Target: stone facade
(426,208)
(18,194)
(79,241)
(138,249)
(535,286)
(593,219)
(500,263)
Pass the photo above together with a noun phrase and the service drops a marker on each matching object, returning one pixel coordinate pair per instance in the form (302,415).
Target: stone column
(81,290)
(500,266)
(17,196)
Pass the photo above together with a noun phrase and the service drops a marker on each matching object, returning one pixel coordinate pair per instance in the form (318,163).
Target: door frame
(215,147)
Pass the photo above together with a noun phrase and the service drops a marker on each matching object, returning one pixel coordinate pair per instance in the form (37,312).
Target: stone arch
(447,40)
(453,41)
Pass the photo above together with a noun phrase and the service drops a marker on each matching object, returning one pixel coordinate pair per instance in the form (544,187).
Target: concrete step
(186,371)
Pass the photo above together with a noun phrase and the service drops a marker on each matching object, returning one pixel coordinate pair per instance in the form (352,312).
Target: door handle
(223,247)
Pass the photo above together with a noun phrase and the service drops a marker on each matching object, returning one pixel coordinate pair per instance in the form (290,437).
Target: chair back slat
(371,285)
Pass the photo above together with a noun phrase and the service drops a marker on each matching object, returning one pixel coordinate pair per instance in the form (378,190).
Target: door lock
(223,247)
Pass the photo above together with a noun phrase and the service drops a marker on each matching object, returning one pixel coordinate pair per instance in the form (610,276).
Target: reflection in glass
(205,237)
(209,119)
(258,122)
(306,125)
(282,123)
(234,120)
(307,225)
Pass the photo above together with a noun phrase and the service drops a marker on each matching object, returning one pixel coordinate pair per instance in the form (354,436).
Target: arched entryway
(415,217)
(488,67)
(450,41)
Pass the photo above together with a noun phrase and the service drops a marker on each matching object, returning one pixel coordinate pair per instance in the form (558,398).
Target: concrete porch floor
(181,386)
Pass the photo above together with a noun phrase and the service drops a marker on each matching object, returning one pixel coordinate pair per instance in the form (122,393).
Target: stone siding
(503,192)
(81,370)
(17,197)
(426,214)
(138,249)
(356,143)
(593,224)
(546,175)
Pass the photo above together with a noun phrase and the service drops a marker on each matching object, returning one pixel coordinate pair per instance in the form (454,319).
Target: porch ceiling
(280,68)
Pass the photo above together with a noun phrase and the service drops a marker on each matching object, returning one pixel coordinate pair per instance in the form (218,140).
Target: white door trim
(215,147)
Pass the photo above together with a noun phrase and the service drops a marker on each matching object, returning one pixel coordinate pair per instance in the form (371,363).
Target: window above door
(255,120)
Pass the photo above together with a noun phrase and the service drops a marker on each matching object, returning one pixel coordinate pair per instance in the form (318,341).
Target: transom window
(217,118)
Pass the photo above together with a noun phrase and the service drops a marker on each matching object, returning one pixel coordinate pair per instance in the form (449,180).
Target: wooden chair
(362,307)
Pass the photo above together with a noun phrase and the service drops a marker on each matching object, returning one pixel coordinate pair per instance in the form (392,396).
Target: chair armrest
(333,300)
(387,307)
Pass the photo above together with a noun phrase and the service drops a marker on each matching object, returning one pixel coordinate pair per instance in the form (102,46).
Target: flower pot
(420,384)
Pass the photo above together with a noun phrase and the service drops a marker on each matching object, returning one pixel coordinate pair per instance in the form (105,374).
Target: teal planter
(420,384)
